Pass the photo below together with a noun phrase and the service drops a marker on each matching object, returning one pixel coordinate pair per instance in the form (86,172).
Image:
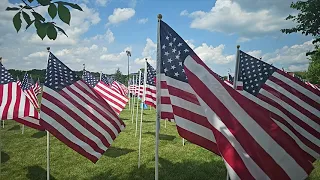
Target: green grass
(24,156)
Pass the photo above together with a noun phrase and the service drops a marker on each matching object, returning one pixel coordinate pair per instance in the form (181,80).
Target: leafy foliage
(308,21)
(44,28)
(314,68)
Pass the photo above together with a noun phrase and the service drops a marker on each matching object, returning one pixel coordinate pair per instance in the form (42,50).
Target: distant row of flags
(263,122)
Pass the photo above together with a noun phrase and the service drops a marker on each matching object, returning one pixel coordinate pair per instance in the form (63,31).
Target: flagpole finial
(238,46)
(48,49)
(159,16)
(146,59)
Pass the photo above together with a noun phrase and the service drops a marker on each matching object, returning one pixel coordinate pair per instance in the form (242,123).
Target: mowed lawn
(24,155)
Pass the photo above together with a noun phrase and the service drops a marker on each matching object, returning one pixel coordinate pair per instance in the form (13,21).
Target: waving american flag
(75,114)
(212,114)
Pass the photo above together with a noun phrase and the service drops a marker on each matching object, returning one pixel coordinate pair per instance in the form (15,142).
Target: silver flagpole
(48,144)
(2,123)
(137,113)
(236,72)
(143,99)
(235,79)
(165,124)
(156,172)
(100,75)
(48,155)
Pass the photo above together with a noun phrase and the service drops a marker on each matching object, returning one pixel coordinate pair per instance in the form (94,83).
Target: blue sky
(100,35)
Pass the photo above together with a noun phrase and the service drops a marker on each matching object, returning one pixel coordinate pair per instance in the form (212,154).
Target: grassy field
(24,156)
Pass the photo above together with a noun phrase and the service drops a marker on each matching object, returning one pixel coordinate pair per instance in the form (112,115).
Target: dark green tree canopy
(313,73)
(307,19)
(43,26)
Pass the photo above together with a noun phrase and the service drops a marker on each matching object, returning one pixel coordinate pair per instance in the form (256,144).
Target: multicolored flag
(75,114)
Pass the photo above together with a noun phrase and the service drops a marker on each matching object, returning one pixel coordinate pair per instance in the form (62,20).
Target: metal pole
(128,54)
(143,99)
(22,129)
(2,123)
(236,72)
(183,142)
(165,124)
(158,101)
(137,113)
(48,155)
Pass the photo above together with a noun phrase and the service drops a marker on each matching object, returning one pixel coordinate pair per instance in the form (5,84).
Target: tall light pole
(128,54)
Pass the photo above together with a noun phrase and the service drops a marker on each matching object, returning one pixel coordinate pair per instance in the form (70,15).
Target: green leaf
(42,30)
(52,10)
(12,9)
(29,24)
(61,30)
(26,17)
(44,2)
(17,21)
(38,16)
(37,24)
(51,32)
(64,13)
(30,1)
(75,6)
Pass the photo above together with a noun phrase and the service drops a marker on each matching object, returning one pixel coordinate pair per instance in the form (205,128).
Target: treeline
(40,74)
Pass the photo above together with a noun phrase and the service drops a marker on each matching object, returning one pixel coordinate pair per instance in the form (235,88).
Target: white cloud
(243,39)
(255,53)
(190,43)
(184,13)
(143,20)
(229,17)
(108,36)
(150,48)
(39,54)
(210,54)
(286,56)
(102,2)
(294,68)
(121,14)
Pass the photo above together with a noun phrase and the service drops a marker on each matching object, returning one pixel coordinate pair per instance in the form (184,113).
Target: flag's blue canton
(106,79)
(253,73)
(58,75)
(141,79)
(90,79)
(26,84)
(174,51)
(5,76)
(151,74)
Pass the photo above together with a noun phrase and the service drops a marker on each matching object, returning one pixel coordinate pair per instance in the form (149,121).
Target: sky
(99,36)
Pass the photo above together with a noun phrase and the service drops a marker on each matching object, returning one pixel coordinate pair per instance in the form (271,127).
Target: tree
(313,73)
(119,77)
(308,21)
(44,28)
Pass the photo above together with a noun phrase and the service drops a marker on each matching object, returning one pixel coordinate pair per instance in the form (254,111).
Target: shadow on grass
(194,170)
(149,122)
(117,152)
(105,176)
(124,119)
(39,134)
(37,172)
(163,136)
(15,127)
(4,157)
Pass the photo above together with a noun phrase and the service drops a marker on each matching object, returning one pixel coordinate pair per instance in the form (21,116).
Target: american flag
(75,114)
(18,81)
(114,99)
(107,80)
(313,85)
(37,88)
(151,94)
(140,83)
(26,86)
(208,110)
(294,105)
(117,86)
(14,102)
